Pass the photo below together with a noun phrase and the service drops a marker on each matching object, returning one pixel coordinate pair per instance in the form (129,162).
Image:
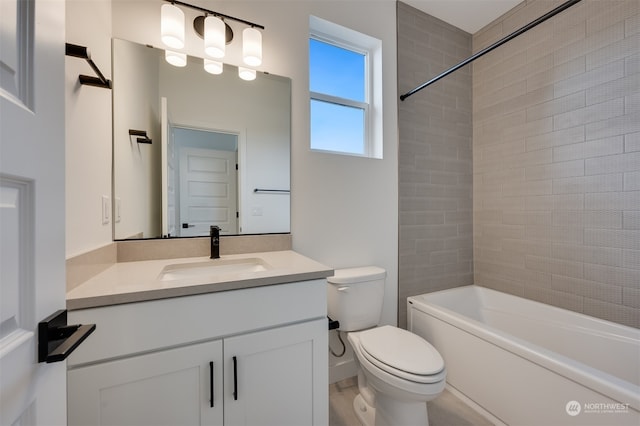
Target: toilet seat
(402,354)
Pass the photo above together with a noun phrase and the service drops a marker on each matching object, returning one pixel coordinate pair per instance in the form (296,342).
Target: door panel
(208,191)
(32,222)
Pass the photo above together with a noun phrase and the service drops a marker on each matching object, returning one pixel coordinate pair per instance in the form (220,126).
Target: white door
(208,191)
(32,220)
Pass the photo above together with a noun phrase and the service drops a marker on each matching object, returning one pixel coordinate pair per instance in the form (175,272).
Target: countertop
(130,282)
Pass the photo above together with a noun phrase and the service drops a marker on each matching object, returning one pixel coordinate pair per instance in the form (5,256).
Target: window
(342,77)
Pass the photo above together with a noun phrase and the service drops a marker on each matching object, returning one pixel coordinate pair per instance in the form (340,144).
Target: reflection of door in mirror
(205,179)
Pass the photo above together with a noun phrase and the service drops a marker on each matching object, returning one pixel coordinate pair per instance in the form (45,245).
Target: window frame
(351,40)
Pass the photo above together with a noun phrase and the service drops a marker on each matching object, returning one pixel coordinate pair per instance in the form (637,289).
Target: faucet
(214,234)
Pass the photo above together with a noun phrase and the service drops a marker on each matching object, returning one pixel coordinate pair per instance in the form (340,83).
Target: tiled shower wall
(435,196)
(556,158)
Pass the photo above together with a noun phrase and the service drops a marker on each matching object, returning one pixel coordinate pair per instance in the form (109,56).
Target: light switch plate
(116,214)
(106,210)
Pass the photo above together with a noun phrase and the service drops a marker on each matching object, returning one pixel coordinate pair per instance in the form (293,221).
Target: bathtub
(521,362)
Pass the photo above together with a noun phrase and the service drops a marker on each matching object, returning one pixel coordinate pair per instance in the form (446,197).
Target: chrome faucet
(214,234)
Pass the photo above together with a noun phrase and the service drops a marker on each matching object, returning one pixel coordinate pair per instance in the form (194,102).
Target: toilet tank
(354,297)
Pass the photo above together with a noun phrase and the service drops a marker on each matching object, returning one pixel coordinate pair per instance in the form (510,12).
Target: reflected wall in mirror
(201,126)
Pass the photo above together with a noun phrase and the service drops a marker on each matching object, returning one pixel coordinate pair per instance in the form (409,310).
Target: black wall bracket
(56,339)
(141,136)
(83,53)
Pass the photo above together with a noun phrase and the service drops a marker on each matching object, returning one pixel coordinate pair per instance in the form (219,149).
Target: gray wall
(556,158)
(435,161)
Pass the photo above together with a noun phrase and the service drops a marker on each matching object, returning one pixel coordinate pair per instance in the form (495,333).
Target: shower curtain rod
(488,49)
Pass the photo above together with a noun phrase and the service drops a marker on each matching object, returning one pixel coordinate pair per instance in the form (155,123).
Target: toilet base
(365,413)
(403,414)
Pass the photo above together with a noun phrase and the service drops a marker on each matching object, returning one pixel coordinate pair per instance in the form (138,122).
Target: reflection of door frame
(242,157)
(165,135)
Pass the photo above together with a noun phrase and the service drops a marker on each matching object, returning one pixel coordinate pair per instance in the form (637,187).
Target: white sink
(215,268)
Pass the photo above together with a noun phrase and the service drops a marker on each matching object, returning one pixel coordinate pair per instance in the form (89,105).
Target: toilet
(398,371)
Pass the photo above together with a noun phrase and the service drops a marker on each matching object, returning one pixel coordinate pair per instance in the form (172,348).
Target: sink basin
(215,268)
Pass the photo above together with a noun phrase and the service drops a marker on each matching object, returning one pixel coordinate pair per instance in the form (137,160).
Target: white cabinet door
(171,387)
(277,376)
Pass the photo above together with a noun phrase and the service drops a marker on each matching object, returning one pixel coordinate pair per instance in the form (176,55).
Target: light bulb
(214,37)
(246,73)
(213,67)
(172,26)
(252,47)
(177,59)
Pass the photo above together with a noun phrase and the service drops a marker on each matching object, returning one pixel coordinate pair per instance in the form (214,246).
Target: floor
(446,410)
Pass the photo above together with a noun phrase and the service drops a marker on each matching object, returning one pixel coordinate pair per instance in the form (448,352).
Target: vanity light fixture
(252,47)
(172,26)
(177,59)
(214,29)
(246,73)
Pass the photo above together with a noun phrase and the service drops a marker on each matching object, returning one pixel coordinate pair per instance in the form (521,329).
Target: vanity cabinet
(247,357)
(170,387)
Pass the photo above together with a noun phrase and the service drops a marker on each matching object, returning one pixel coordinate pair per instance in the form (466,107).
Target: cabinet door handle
(211,381)
(235,378)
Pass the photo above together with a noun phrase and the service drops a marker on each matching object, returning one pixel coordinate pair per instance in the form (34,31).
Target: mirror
(192,149)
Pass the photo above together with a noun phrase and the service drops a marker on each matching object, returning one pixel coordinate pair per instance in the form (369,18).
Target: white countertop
(141,281)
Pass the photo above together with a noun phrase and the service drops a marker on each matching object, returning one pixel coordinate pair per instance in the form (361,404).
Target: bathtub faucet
(214,234)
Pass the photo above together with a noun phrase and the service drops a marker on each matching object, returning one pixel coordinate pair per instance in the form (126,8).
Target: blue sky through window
(337,127)
(337,72)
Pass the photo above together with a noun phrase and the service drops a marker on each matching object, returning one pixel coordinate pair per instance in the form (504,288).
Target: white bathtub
(527,363)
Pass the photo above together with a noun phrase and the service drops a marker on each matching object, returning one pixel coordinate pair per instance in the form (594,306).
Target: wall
(556,158)
(434,158)
(88,128)
(344,208)
(136,105)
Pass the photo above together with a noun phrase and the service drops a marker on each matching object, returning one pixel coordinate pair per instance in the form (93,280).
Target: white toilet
(398,370)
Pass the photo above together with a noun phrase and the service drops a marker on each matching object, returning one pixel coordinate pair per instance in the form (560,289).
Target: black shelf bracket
(57,339)
(141,136)
(83,53)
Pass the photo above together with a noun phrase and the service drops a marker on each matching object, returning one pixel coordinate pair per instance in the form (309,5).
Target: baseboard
(342,370)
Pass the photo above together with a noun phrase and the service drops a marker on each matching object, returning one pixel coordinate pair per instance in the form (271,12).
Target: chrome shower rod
(488,49)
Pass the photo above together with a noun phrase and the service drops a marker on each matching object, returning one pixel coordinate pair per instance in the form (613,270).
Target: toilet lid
(402,353)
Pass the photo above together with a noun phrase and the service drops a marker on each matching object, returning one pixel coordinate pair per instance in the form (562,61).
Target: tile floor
(446,410)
